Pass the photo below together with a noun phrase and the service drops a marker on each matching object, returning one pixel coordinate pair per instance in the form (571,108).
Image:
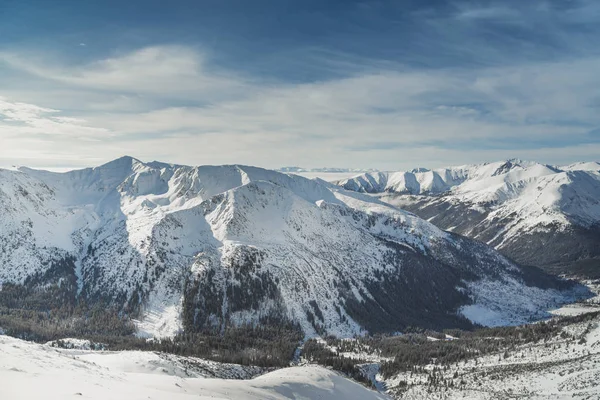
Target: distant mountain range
(194,247)
(536,214)
(330,170)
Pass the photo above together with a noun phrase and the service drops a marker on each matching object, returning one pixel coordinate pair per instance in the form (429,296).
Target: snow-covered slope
(209,246)
(31,371)
(536,214)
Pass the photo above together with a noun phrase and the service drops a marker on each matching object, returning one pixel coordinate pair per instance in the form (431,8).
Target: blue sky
(369,84)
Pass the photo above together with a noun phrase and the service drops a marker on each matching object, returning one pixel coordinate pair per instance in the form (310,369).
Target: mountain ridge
(509,204)
(204,247)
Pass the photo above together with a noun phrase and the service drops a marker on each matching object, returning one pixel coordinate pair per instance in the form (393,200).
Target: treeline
(412,351)
(41,327)
(263,344)
(316,352)
(49,313)
(258,345)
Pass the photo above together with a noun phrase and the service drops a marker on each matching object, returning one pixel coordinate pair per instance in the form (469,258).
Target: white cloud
(169,71)
(22,119)
(21,111)
(485,13)
(387,119)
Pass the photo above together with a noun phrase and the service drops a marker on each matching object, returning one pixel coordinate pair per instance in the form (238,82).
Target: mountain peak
(419,170)
(507,166)
(124,161)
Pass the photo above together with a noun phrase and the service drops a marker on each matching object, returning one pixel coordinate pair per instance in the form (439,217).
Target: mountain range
(190,248)
(535,214)
(324,169)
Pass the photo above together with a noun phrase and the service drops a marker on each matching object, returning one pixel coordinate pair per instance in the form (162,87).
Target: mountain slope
(206,247)
(536,214)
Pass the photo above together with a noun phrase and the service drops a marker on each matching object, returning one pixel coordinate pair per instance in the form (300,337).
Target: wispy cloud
(170,71)
(22,120)
(489,13)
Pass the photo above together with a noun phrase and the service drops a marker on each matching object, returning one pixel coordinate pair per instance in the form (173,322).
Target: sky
(360,84)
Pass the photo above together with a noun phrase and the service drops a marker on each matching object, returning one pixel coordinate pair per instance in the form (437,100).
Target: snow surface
(31,371)
(490,307)
(582,166)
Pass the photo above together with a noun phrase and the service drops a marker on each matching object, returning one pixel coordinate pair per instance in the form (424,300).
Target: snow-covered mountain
(536,214)
(216,245)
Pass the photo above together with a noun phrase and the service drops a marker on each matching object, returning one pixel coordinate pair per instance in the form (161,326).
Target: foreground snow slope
(193,247)
(31,371)
(537,214)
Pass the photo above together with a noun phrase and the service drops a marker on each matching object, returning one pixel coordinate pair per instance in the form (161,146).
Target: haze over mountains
(324,169)
(194,247)
(536,214)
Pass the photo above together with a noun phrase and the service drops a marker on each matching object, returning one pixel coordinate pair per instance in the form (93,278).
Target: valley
(274,285)
(558,358)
